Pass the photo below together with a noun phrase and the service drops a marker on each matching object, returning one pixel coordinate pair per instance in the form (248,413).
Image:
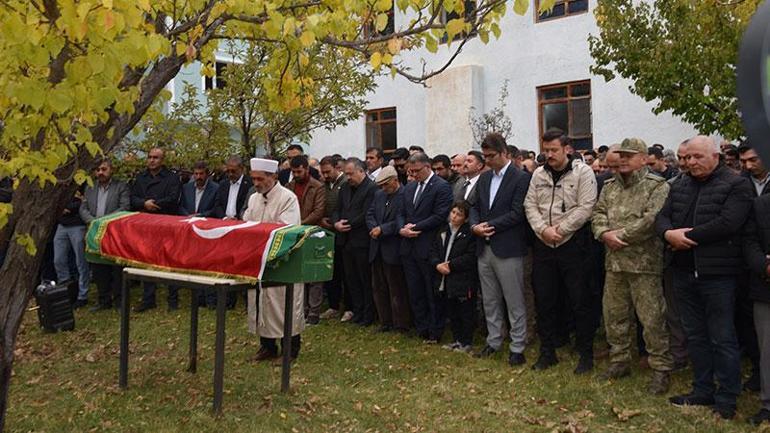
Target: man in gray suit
(108,195)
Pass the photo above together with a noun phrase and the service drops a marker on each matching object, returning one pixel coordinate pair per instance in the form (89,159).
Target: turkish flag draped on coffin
(178,243)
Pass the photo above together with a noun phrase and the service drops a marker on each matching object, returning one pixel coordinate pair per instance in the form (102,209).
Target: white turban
(266,165)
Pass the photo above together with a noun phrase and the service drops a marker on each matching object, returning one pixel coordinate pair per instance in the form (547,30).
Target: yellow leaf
(376,60)
(181,48)
(394,45)
(307,38)
(144,4)
(28,243)
(520,6)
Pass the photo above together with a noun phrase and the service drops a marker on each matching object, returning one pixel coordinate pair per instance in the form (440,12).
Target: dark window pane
(583,143)
(583,89)
(576,6)
(390,114)
(220,68)
(555,116)
(554,93)
(581,117)
(388,136)
(558,10)
(209,83)
(372,116)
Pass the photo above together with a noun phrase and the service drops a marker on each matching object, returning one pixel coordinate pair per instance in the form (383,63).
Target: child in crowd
(453,254)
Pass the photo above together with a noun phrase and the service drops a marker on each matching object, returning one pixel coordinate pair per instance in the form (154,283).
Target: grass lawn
(347,379)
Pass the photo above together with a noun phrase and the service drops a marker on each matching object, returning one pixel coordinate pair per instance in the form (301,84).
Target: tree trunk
(35,211)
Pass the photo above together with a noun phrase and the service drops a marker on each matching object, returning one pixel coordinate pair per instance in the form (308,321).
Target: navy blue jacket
(506,214)
(387,214)
(428,214)
(205,207)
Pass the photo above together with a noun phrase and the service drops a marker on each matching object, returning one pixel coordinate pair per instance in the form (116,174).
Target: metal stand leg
(124,303)
(288,316)
(193,365)
(219,356)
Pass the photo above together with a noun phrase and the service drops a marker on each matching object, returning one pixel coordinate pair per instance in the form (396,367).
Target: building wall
(528,55)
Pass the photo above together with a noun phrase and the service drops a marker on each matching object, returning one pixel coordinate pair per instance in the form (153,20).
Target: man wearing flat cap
(624,220)
(383,220)
(273,203)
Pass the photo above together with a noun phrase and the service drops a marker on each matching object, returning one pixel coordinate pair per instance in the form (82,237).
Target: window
(370,28)
(567,107)
(562,8)
(381,129)
(218,80)
(445,17)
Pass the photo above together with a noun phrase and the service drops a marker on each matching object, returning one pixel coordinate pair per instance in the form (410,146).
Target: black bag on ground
(54,307)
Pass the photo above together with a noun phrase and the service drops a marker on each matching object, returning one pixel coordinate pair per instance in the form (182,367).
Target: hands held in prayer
(613,242)
(678,240)
(375,232)
(326,223)
(408,231)
(150,205)
(484,230)
(443,268)
(551,235)
(342,226)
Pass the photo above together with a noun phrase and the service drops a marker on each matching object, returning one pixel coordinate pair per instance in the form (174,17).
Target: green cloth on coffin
(291,253)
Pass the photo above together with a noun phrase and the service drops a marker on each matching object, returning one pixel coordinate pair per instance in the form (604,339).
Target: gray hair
(235,159)
(357,163)
(419,157)
(710,142)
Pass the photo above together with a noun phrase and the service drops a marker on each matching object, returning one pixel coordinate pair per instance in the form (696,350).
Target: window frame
(539,90)
(378,124)
(566,11)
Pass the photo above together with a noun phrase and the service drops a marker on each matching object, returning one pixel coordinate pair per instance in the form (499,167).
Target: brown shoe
(660,382)
(263,354)
(615,371)
(644,362)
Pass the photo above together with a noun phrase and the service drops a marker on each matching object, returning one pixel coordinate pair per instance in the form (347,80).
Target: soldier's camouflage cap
(632,145)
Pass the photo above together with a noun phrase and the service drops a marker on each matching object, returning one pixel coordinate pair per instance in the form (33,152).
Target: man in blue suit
(499,222)
(198,196)
(426,207)
(383,220)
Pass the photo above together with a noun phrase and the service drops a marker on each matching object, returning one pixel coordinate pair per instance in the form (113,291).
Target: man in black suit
(155,191)
(426,207)
(465,187)
(353,236)
(233,193)
(384,221)
(198,196)
(499,222)
(285,176)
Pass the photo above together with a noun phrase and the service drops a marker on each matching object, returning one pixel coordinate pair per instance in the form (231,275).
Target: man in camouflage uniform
(623,220)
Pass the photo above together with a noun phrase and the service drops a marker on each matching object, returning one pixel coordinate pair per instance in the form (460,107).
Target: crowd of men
(673,244)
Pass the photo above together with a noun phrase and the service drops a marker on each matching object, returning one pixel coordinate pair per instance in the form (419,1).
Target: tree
(194,129)
(77,77)
(494,121)
(340,81)
(681,54)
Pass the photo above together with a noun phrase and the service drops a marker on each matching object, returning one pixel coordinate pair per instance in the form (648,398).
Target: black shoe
(515,359)
(313,320)
(141,308)
(385,328)
(486,352)
(724,411)
(100,307)
(753,384)
(691,400)
(545,360)
(80,303)
(760,417)
(585,364)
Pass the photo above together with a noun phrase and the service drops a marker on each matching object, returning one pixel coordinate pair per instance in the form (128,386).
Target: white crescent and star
(218,232)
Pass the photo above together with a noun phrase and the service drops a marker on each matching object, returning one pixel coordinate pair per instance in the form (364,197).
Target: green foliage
(681,54)
(192,131)
(330,93)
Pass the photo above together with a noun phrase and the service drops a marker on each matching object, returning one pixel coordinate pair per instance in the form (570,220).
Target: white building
(547,64)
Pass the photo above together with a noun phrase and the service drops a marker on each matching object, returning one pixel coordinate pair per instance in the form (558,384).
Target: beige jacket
(567,204)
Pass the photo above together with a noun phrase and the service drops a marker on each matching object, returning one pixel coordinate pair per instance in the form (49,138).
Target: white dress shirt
(497,179)
(232,198)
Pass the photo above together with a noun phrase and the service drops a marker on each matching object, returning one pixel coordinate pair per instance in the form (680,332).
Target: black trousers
(108,279)
(560,274)
(462,318)
(335,290)
(358,281)
(390,294)
(744,322)
(271,344)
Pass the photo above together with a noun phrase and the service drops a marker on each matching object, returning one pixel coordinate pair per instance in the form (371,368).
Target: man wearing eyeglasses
(426,207)
(498,220)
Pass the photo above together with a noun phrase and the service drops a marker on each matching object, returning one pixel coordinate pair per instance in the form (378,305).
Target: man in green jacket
(623,220)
